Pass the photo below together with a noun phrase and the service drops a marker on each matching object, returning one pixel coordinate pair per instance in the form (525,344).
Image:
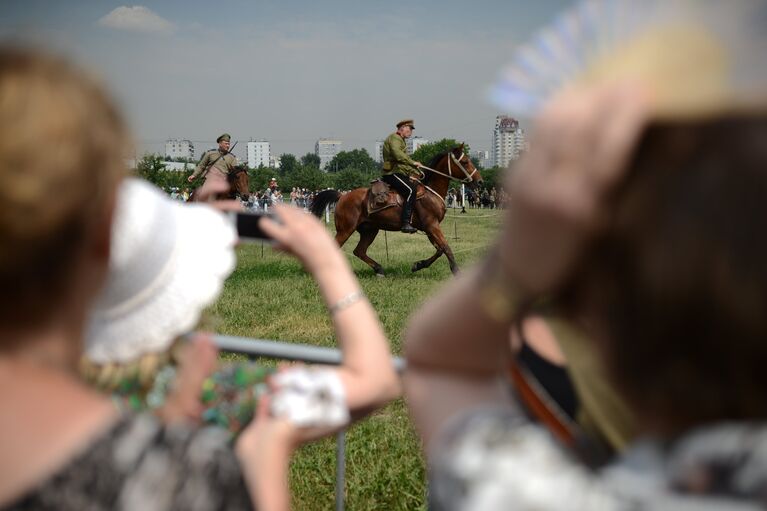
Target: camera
(248,227)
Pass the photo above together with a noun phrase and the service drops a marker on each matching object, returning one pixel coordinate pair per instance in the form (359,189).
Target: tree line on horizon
(346,171)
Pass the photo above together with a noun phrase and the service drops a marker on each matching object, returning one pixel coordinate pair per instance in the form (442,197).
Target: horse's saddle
(381,196)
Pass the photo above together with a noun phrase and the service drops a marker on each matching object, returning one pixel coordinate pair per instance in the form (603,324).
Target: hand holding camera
(296,232)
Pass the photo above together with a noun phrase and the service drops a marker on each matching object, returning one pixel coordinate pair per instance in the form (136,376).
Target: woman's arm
(367,371)
(457,344)
(455,353)
(366,374)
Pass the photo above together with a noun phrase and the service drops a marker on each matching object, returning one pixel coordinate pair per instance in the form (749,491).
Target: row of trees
(347,170)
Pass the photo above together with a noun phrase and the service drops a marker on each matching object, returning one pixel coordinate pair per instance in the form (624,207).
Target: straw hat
(168,262)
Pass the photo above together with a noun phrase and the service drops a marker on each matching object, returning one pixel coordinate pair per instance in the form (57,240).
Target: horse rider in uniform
(399,168)
(215,165)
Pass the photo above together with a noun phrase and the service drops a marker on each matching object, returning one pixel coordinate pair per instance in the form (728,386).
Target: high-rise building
(258,153)
(520,143)
(484,158)
(508,140)
(378,151)
(413,143)
(175,148)
(326,149)
(274,162)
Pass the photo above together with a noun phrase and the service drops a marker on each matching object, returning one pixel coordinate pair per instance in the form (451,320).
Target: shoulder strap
(204,172)
(540,405)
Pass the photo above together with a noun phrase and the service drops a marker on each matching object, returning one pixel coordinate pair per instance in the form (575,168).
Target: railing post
(305,353)
(340,469)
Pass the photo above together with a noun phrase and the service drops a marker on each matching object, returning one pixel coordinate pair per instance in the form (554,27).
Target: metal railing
(299,353)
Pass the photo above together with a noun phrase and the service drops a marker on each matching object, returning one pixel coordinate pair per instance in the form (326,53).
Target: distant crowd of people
(260,199)
(478,199)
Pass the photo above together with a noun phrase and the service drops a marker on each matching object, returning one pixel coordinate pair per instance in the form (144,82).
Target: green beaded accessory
(229,395)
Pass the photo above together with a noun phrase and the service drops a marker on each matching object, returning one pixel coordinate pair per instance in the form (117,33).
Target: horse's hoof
(415,267)
(380,275)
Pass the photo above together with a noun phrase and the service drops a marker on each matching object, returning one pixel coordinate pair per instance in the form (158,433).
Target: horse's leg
(367,235)
(345,227)
(440,243)
(342,235)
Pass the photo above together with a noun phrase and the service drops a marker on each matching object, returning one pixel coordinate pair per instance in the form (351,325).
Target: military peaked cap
(406,122)
(225,136)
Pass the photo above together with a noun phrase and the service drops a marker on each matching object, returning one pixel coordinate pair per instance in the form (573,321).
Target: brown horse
(352,209)
(239,186)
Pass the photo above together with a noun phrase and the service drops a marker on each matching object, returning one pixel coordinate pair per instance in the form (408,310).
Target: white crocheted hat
(168,262)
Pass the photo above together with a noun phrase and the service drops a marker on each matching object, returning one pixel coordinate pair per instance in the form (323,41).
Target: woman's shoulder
(491,459)
(142,464)
(488,459)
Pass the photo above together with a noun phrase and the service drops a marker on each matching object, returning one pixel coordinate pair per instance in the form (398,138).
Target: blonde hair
(62,144)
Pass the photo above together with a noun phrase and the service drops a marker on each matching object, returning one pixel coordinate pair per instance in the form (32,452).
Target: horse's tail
(323,199)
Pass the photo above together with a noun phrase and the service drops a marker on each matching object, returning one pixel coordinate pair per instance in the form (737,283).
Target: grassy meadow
(270,296)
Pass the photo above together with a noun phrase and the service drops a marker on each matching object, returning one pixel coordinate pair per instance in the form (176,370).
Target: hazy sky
(290,71)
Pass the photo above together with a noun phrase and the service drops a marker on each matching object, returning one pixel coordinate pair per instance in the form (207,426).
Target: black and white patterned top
(490,460)
(141,464)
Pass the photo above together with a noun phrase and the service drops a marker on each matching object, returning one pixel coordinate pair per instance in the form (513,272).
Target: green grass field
(270,296)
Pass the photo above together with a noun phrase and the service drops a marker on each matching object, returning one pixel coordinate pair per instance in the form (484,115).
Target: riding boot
(407,208)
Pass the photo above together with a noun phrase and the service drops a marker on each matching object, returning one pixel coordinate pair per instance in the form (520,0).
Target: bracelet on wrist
(346,301)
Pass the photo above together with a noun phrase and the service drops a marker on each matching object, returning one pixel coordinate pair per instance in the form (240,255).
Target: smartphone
(247,225)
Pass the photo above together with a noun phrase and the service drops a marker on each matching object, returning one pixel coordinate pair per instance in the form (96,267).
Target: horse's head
(460,167)
(239,182)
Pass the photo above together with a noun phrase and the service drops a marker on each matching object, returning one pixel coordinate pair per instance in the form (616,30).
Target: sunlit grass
(270,296)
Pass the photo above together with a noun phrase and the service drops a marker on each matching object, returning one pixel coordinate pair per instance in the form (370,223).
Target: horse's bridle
(457,161)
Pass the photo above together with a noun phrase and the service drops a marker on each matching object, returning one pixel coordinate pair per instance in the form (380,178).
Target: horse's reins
(467,179)
(457,161)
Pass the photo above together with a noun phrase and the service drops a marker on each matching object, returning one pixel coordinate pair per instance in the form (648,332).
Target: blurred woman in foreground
(64,445)
(639,213)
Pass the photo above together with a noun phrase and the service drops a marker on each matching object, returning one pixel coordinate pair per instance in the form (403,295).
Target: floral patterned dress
(139,464)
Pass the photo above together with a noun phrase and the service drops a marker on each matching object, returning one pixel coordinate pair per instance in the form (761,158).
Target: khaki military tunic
(395,157)
(224,164)
(217,171)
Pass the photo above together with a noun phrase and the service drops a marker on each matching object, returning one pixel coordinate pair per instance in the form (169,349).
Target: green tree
(350,178)
(357,158)
(288,164)
(493,177)
(310,177)
(152,168)
(310,160)
(427,152)
(259,178)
